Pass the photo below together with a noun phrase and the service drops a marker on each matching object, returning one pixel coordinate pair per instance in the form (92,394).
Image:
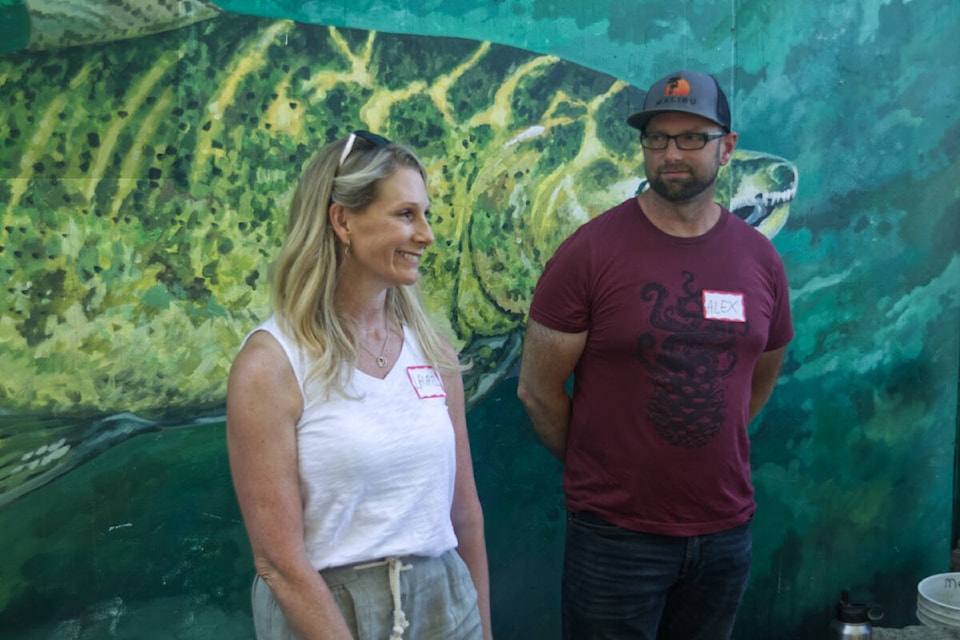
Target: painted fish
(143,187)
(55,24)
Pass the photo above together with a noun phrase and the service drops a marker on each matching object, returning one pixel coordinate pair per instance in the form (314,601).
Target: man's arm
(549,358)
(765,379)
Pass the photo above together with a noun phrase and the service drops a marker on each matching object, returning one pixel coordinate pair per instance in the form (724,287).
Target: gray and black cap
(687,91)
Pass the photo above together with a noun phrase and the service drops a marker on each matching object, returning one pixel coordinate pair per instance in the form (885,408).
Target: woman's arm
(263,407)
(467,514)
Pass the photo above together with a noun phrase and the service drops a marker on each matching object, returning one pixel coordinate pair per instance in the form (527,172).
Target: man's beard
(675,191)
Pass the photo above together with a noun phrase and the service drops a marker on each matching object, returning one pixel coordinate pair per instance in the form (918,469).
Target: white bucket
(938,600)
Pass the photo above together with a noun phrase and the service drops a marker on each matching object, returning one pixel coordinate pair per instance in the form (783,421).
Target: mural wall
(147,156)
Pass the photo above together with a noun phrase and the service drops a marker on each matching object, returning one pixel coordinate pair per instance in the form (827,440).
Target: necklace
(381,359)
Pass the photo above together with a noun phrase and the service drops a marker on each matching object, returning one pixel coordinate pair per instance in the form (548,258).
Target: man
(673,315)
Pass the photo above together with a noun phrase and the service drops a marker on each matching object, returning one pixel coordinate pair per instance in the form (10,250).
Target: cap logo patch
(677,87)
(676,93)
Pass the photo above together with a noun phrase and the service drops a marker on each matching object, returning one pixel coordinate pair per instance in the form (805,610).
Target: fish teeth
(41,456)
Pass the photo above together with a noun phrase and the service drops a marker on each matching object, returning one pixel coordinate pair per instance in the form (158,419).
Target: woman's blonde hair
(306,272)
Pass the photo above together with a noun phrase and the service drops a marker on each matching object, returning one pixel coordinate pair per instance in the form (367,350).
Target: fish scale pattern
(144,183)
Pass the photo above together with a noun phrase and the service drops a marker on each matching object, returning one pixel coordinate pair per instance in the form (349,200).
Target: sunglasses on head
(372,138)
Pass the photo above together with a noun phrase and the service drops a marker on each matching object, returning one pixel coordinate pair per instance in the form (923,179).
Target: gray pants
(437,596)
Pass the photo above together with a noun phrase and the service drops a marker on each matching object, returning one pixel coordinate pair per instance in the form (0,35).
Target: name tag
(723,305)
(426,382)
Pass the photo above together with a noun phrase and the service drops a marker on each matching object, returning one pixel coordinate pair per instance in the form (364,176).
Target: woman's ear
(339,221)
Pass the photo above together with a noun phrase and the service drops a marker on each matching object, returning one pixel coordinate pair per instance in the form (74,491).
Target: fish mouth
(765,187)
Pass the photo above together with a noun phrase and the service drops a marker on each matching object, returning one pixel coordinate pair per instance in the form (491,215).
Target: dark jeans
(625,585)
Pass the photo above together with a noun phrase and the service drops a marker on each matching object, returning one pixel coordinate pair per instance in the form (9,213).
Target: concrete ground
(915,633)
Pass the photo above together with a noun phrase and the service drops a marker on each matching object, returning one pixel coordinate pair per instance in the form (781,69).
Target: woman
(346,425)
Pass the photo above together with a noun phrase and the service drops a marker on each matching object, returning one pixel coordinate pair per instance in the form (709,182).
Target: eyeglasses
(684,141)
(372,138)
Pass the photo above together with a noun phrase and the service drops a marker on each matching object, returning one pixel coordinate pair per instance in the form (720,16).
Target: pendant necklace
(381,359)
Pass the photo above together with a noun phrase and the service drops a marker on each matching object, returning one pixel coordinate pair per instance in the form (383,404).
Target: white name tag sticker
(426,382)
(723,305)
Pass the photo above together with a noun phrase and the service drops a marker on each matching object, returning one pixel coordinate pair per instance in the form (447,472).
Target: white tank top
(376,471)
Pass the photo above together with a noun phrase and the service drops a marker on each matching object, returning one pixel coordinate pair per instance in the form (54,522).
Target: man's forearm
(549,358)
(765,379)
(550,420)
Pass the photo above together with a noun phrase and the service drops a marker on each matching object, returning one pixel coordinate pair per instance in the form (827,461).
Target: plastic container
(938,600)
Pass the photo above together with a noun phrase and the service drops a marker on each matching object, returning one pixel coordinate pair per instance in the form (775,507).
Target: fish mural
(143,193)
(55,24)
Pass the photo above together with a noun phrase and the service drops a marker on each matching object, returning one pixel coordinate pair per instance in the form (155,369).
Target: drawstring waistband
(394,567)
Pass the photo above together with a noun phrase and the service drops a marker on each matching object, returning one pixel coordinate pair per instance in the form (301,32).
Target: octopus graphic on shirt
(686,367)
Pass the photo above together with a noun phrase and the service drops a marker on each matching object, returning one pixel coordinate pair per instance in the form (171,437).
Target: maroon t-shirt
(658,433)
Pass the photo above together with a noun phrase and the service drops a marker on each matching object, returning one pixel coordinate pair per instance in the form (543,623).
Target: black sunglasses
(372,138)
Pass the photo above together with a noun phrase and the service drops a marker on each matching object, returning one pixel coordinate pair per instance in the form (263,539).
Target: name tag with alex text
(723,305)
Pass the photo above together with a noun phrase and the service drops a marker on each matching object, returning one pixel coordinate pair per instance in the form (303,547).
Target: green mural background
(853,458)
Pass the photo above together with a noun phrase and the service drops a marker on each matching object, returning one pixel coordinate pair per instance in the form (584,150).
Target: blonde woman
(346,426)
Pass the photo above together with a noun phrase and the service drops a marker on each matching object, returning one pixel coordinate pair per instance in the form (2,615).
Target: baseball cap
(688,91)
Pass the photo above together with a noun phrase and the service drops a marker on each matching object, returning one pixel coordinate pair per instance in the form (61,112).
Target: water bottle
(852,619)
